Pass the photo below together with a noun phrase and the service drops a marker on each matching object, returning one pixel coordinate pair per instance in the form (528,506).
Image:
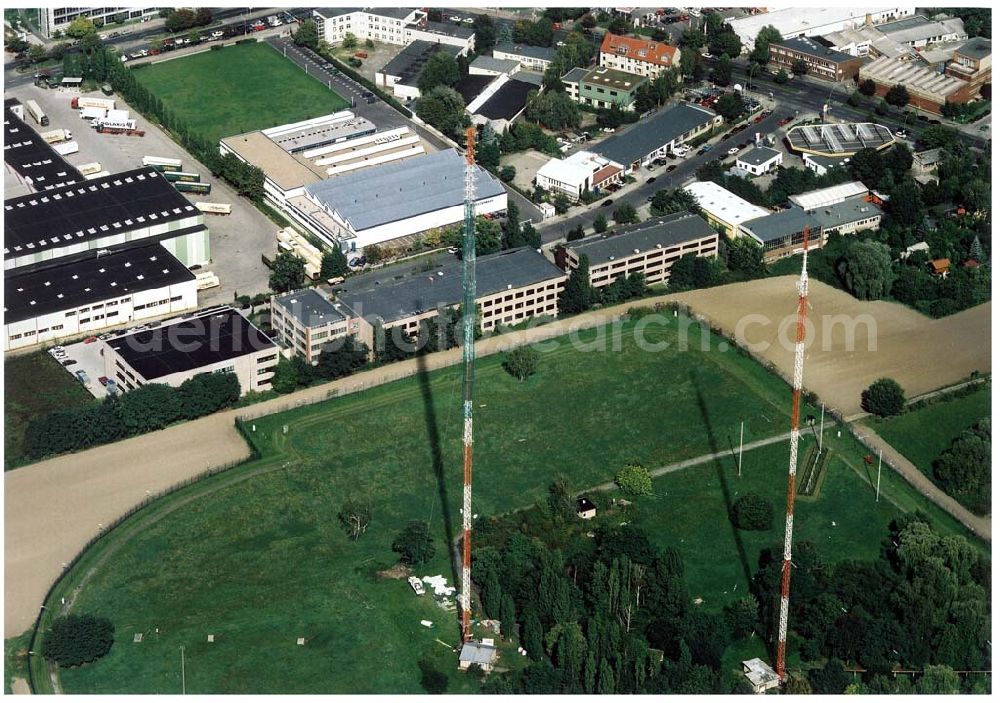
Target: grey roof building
(542,53)
(408,63)
(423,292)
(310,308)
(782,229)
(848,216)
(661,232)
(494,65)
(575,74)
(978,48)
(389,193)
(329,12)
(448,29)
(646,137)
(759,155)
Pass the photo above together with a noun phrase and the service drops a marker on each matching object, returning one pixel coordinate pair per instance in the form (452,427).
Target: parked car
(82,376)
(90,340)
(734,150)
(68,362)
(706,55)
(650,180)
(671,167)
(103,380)
(453,250)
(607,202)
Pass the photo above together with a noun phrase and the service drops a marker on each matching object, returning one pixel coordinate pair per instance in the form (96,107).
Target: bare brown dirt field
(853,342)
(53,508)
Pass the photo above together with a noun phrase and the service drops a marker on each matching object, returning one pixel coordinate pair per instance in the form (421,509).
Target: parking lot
(85,363)
(237,240)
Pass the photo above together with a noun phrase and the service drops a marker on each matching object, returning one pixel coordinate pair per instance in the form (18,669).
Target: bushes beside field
(151,407)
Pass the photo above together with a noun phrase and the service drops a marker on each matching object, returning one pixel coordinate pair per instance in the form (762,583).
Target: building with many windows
(781,233)
(511,286)
(86,293)
(821,61)
(649,248)
(533,58)
(602,87)
(392,25)
(306,321)
(53,19)
(929,90)
(642,57)
(215,340)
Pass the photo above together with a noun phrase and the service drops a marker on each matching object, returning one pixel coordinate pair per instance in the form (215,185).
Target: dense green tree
(414,544)
(575,233)
(521,362)
(486,34)
(905,206)
(285,378)
(74,640)
(600,223)
(553,109)
(964,469)
(206,393)
(507,174)
(761,54)
(866,270)
(150,407)
(341,357)
(729,105)
(898,95)
(333,263)
(625,213)
(752,512)
(800,67)
(939,680)
(745,255)
(354,517)
(432,679)
(666,202)
(781,77)
(441,69)
(831,679)
(855,99)
(307,35)
(80,27)
(350,41)
(884,398)
(288,272)
(531,636)
(442,107)
(560,201)
(723,72)
(634,480)
(577,295)
(867,87)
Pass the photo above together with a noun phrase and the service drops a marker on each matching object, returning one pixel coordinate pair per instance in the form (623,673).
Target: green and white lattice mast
(468,376)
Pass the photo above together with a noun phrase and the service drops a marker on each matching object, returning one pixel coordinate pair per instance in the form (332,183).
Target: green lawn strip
(34,385)
(262,561)
(921,435)
(231,91)
(15,662)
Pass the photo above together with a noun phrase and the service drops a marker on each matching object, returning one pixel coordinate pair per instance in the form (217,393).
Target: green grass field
(34,384)
(256,557)
(921,435)
(238,89)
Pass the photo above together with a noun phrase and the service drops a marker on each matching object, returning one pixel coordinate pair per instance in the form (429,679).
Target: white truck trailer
(78,103)
(65,148)
(56,136)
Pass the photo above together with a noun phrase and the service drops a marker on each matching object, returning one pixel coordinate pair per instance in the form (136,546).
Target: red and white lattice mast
(468,376)
(793,453)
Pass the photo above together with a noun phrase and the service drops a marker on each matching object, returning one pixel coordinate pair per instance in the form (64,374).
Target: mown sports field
(238,89)
(256,556)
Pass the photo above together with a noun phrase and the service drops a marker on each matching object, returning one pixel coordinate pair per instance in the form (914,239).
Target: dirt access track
(53,508)
(850,343)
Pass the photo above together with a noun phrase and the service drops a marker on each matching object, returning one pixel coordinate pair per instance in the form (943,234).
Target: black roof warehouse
(30,156)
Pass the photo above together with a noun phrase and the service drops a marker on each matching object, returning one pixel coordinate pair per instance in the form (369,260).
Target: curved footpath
(53,508)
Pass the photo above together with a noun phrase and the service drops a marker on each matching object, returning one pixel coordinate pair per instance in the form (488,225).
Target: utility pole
(878,481)
(739,464)
(793,453)
(469,370)
(822,417)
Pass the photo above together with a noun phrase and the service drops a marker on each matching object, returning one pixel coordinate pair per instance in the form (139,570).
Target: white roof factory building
(576,173)
(387,202)
(724,208)
(801,21)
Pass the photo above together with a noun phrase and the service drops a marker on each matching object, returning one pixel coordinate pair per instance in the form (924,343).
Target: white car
(455,18)
(706,55)
(734,150)
(218,34)
(469,20)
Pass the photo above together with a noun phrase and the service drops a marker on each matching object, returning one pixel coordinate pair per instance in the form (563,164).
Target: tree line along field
(34,384)
(257,558)
(921,435)
(238,89)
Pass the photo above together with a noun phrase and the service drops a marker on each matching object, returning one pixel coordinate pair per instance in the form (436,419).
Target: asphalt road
(554,229)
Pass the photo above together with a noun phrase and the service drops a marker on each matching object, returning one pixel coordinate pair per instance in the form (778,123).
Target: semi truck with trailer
(188,187)
(56,136)
(175,176)
(80,102)
(162,163)
(36,113)
(105,125)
